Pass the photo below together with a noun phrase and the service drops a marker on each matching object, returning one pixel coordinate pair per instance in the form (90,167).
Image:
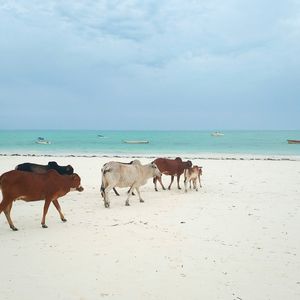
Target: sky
(157,65)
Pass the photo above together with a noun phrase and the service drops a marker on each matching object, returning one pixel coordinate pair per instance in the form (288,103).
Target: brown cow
(171,167)
(191,175)
(21,185)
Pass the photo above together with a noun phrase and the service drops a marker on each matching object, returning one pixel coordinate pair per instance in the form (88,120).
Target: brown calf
(170,167)
(20,185)
(191,175)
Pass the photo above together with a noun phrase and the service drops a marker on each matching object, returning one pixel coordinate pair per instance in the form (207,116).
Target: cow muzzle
(79,189)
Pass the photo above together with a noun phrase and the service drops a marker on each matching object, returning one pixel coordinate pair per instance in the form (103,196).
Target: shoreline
(200,156)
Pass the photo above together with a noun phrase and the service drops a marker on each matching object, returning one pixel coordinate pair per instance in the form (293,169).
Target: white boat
(136,142)
(41,140)
(217,133)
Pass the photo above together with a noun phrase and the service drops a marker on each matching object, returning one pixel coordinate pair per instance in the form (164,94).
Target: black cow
(41,169)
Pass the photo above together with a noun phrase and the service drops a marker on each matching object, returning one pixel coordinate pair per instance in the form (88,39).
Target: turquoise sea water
(199,143)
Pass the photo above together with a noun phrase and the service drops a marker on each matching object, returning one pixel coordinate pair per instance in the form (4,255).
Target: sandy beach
(236,238)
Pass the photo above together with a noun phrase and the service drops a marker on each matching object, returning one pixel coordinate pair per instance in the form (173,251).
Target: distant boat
(217,133)
(100,135)
(41,140)
(136,142)
(293,141)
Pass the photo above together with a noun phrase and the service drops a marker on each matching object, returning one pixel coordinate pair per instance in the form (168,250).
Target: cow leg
(46,206)
(7,215)
(160,181)
(139,194)
(185,184)
(172,179)
(57,206)
(195,184)
(105,195)
(178,177)
(117,194)
(4,203)
(199,180)
(155,183)
(129,193)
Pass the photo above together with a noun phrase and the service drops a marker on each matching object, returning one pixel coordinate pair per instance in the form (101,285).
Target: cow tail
(102,188)
(103,183)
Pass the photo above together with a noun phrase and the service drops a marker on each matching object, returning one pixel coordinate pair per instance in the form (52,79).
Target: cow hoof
(64,220)
(44,226)
(106,205)
(156,190)
(164,188)
(179,188)
(14,228)
(142,201)
(127,204)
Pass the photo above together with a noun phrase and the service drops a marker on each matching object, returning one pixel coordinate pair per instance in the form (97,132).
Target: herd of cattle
(33,182)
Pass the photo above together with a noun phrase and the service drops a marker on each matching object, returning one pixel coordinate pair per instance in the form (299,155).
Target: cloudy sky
(160,64)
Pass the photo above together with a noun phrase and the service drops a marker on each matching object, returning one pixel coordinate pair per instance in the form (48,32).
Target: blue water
(160,142)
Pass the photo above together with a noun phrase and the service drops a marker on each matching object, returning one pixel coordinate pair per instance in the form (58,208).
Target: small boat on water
(293,141)
(41,140)
(136,142)
(217,133)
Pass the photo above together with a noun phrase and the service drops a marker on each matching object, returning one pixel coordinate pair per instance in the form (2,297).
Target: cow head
(200,170)
(187,164)
(156,172)
(69,170)
(75,184)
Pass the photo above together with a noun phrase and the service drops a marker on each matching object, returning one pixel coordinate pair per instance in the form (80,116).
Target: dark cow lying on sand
(52,165)
(171,167)
(27,186)
(191,175)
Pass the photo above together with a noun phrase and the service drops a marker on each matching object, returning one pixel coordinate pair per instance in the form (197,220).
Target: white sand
(237,238)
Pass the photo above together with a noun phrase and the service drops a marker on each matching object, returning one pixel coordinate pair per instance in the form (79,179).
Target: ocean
(169,143)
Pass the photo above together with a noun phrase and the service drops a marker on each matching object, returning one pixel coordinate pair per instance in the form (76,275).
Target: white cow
(191,175)
(132,175)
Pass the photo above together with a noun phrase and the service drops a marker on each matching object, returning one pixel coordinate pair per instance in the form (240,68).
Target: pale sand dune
(237,238)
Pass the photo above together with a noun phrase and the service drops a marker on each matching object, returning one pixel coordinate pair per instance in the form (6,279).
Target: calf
(171,167)
(134,175)
(27,186)
(191,175)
